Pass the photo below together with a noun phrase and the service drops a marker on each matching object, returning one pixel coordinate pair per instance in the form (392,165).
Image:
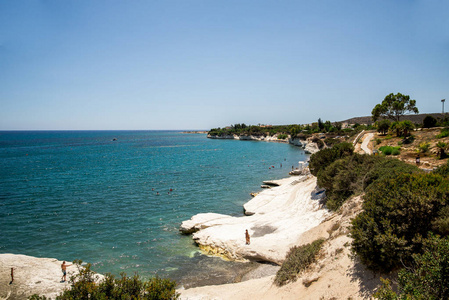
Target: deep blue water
(81,195)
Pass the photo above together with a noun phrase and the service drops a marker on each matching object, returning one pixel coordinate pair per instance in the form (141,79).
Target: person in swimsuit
(247,237)
(64,271)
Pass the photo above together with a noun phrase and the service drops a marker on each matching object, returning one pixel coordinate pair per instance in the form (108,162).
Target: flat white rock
(33,275)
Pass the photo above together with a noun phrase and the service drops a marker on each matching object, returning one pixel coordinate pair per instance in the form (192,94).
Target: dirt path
(366,139)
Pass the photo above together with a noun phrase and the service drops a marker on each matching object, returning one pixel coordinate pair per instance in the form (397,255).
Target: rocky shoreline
(32,275)
(308,145)
(275,219)
(336,274)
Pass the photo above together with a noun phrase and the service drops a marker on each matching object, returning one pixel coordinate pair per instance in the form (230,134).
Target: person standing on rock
(64,271)
(247,237)
(12,275)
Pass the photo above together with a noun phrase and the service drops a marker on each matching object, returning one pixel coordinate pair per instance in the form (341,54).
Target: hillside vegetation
(293,130)
(405,217)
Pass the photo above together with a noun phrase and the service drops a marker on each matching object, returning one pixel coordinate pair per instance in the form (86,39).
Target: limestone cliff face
(297,142)
(311,148)
(273,138)
(308,145)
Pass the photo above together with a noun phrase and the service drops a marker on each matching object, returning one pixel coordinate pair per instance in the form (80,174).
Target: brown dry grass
(409,152)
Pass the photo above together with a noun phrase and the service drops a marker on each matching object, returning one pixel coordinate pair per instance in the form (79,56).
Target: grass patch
(297,260)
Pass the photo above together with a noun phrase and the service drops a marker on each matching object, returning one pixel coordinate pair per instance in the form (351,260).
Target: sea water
(116,199)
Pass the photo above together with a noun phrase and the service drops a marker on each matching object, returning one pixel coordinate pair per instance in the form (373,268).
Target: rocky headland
(307,144)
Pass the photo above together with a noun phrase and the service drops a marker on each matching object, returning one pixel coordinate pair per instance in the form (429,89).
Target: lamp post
(442,101)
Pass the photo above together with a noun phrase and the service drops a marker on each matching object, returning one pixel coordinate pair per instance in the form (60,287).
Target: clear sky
(194,64)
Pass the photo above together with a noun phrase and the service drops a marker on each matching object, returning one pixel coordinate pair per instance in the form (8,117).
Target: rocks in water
(304,171)
(271,182)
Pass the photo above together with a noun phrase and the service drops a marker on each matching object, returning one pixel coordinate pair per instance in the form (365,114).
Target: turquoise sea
(93,195)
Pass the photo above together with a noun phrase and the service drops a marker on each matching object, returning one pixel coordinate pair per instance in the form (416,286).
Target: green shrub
(387,168)
(331,141)
(378,141)
(441,224)
(397,215)
(344,178)
(424,147)
(352,174)
(325,157)
(302,136)
(282,136)
(297,259)
(444,133)
(386,150)
(428,278)
(389,150)
(442,170)
(442,147)
(83,286)
(408,140)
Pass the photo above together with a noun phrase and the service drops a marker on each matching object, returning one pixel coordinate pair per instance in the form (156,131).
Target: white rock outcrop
(33,275)
(273,138)
(311,148)
(277,218)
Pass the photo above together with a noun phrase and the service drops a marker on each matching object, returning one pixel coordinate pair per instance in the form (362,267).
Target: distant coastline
(196,132)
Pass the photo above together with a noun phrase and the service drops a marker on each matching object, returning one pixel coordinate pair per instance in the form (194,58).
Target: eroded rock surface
(32,275)
(275,220)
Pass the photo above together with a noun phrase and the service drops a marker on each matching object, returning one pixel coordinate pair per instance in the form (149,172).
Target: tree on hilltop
(394,106)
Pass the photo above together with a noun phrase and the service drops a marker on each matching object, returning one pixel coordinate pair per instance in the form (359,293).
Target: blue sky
(193,64)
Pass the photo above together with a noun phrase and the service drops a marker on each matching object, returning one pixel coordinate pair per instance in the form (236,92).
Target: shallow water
(82,195)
